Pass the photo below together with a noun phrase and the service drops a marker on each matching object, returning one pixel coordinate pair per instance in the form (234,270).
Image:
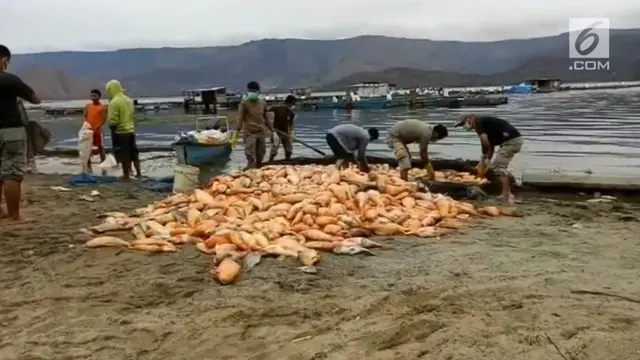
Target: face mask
(293,107)
(252,96)
(467,127)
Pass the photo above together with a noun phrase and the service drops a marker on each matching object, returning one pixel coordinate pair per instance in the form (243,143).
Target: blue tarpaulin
(87,179)
(164,184)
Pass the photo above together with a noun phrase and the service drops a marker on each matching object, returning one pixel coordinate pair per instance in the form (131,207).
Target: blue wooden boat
(366,103)
(367,95)
(522,88)
(194,154)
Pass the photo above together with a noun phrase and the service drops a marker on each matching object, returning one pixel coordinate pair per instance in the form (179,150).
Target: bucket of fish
(290,212)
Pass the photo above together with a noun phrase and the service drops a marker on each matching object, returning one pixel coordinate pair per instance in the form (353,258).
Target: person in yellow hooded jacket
(121,114)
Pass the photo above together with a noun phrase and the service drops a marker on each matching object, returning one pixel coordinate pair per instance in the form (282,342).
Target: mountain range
(323,64)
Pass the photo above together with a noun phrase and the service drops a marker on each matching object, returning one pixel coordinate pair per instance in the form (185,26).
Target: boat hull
(367,103)
(522,89)
(452,102)
(201,154)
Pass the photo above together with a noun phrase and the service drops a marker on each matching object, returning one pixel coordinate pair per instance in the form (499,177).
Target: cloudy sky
(47,25)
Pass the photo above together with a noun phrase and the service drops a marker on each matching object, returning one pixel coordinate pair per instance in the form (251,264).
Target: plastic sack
(212,137)
(109,162)
(85,145)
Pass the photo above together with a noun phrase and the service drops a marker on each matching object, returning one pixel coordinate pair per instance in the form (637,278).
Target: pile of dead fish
(451,176)
(289,211)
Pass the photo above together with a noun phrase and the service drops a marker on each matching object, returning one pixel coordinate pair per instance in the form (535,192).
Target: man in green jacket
(121,114)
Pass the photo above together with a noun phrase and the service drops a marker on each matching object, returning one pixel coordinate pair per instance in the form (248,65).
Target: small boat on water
(204,147)
(522,88)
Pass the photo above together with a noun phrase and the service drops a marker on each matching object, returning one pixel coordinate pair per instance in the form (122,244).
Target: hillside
(535,68)
(295,63)
(53,84)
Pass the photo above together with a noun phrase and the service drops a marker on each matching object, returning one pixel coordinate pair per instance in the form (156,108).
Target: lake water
(571,132)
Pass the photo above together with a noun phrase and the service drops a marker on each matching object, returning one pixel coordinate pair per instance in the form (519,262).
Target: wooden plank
(580,181)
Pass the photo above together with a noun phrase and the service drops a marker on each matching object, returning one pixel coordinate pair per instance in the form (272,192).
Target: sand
(501,289)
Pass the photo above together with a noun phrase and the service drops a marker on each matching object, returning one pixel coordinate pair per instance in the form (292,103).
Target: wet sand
(501,289)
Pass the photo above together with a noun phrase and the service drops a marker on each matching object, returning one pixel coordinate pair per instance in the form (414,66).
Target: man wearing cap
(411,131)
(493,132)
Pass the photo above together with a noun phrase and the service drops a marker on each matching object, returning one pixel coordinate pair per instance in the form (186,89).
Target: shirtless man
(411,131)
(493,132)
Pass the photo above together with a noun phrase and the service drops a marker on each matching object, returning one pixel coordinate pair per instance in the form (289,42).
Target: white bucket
(185,178)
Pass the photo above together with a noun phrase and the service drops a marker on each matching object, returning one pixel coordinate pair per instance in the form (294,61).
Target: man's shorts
(13,154)
(125,147)
(401,152)
(507,151)
(98,138)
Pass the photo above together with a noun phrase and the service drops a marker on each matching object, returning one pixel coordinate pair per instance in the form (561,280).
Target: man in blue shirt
(347,140)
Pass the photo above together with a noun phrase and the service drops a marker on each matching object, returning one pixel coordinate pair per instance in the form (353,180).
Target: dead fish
(106,241)
(151,241)
(293,212)
(229,254)
(138,233)
(308,257)
(251,260)
(203,248)
(511,211)
(142,211)
(184,239)
(363,242)
(155,228)
(115,214)
(180,216)
(153,248)
(105,227)
(308,269)
(351,250)
(360,232)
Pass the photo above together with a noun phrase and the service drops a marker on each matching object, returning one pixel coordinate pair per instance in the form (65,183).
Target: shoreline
(502,288)
(158,164)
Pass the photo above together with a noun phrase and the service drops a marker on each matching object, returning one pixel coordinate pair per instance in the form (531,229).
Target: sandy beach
(511,288)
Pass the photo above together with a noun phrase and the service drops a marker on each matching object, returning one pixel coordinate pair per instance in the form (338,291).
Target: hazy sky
(45,25)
